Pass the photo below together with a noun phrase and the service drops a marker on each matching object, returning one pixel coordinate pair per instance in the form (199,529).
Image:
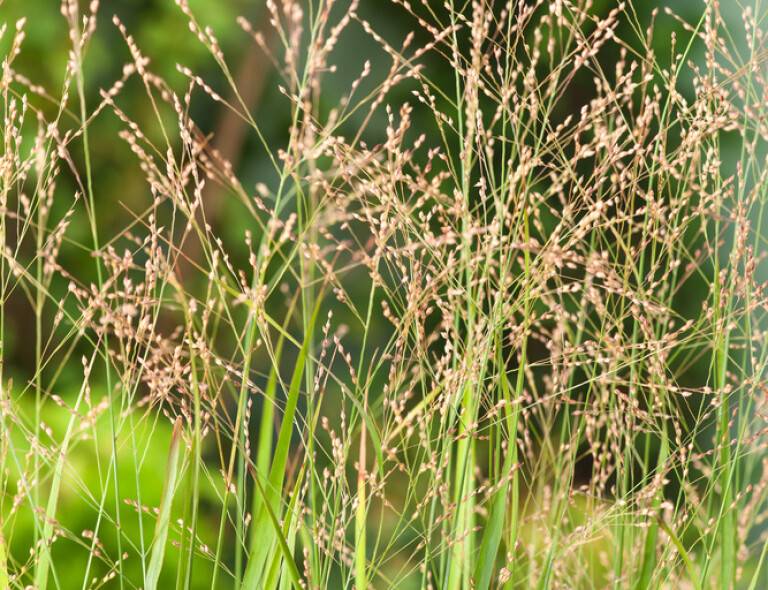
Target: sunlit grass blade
(164,516)
(500,509)
(278,570)
(361,582)
(494,528)
(288,560)
(4,584)
(650,546)
(684,555)
(260,550)
(45,561)
(266,424)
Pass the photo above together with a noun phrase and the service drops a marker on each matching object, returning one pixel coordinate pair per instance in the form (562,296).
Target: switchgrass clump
(494,318)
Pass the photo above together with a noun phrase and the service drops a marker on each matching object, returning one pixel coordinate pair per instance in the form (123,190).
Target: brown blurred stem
(230,133)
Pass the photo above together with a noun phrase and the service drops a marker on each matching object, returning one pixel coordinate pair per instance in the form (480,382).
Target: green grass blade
(758,568)
(164,519)
(259,553)
(44,564)
(264,450)
(289,532)
(693,577)
(360,513)
(3,564)
(293,571)
(651,538)
(489,546)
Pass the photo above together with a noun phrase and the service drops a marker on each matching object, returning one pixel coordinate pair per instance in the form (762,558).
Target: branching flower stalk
(483,304)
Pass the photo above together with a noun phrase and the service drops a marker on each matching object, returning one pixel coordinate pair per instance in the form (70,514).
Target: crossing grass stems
(505,329)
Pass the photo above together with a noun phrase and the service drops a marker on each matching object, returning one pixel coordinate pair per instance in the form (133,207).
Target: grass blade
(260,551)
(3,564)
(293,571)
(164,518)
(44,564)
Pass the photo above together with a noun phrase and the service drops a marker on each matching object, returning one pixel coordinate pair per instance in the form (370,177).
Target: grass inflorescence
(490,313)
